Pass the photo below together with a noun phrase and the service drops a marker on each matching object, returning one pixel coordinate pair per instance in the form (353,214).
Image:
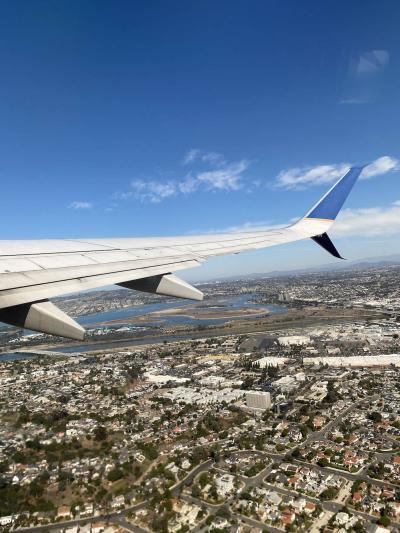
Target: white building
(271,361)
(294,340)
(355,361)
(258,400)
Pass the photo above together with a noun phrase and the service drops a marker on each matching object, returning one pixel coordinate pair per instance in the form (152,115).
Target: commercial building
(355,361)
(258,400)
(294,340)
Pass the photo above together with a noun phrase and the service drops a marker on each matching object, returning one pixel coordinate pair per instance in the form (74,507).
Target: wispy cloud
(369,221)
(246,227)
(80,205)
(354,100)
(304,177)
(191,156)
(196,155)
(301,177)
(210,172)
(361,222)
(153,191)
(227,178)
(380,166)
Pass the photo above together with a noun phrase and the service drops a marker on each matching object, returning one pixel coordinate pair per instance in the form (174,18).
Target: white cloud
(227,178)
(300,178)
(125,195)
(222,176)
(356,100)
(303,177)
(246,227)
(382,165)
(153,191)
(361,222)
(193,155)
(368,221)
(80,205)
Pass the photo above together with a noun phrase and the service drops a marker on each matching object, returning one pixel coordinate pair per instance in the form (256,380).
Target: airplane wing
(33,271)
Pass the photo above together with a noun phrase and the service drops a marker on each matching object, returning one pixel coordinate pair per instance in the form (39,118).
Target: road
(121,520)
(105,517)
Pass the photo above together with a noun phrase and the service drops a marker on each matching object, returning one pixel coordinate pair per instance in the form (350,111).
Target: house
(225,484)
(97,527)
(185,464)
(88,509)
(6,520)
(64,511)
(288,517)
(319,421)
(342,518)
(394,509)
(118,502)
(310,508)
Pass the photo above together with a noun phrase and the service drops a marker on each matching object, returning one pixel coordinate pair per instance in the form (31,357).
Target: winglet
(320,218)
(330,204)
(326,243)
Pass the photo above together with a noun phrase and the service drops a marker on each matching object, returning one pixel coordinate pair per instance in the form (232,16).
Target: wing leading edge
(31,272)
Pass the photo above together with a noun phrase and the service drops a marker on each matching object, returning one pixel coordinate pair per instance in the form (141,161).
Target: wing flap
(44,317)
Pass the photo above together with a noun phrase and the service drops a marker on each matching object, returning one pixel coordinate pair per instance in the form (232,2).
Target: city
(253,424)
(199,266)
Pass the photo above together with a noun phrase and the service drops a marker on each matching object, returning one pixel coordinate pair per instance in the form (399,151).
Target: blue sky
(161,118)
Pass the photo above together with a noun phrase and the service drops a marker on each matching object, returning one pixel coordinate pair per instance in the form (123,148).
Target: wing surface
(33,271)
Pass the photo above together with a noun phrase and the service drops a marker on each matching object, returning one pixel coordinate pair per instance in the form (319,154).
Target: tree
(196,492)
(204,479)
(100,433)
(247,383)
(359,527)
(328,494)
(224,512)
(375,416)
(384,520)
(115,474)
(148,449)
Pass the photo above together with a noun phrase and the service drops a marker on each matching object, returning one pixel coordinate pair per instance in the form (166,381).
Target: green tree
(375,416)
(100,433)
(115,474)
(384,520)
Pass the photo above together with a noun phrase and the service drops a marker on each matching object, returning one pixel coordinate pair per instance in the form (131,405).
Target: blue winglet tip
(330,204)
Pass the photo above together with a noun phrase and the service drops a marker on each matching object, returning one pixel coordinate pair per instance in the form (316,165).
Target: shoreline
(277,322)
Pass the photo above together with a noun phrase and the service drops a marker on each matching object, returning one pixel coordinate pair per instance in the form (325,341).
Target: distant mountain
(370,262)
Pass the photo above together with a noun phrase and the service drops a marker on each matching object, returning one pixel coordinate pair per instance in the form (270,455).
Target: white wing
(33,271)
